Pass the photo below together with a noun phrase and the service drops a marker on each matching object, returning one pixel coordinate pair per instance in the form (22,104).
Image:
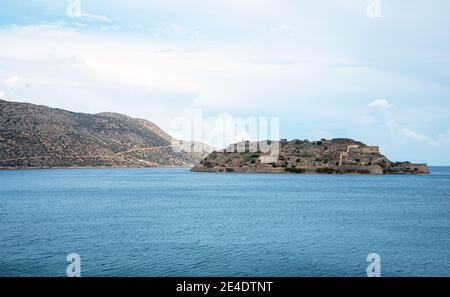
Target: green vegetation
(206,163)
(295,170)
(325,170)
(249,156)
(384,165)
(328,157)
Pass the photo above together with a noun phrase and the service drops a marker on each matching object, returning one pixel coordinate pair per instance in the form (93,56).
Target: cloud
(284,28)
(53,30)
(380,103)
(2,94)
(414,135)
(95,17)
(12,81)
(399,130)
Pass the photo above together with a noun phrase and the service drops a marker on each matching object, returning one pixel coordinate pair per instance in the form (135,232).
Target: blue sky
(325,68)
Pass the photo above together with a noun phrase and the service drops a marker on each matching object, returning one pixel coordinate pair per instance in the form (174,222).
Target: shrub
(247,157)
(295,170)
(328,157)
(325,170)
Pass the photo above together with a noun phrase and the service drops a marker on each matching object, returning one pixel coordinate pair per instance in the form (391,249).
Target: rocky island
(335,156)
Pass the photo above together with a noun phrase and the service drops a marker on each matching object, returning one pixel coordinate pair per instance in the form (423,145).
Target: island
(335,156)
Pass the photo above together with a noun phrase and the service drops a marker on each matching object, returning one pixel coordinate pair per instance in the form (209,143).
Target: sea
(173,222)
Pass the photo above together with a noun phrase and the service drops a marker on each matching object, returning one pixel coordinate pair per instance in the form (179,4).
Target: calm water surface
(171,222)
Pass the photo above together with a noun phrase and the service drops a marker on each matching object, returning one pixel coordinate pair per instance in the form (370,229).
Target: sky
(373,70)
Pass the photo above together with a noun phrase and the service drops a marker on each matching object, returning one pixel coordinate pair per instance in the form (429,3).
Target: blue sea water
(173,222)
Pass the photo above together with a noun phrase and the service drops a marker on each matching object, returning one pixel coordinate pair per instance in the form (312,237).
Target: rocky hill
(341,156)
(33,136)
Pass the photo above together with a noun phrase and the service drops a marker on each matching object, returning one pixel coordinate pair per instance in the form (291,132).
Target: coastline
(200,169)
(88,167)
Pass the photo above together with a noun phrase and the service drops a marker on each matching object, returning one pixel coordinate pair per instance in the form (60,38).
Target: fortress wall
(372,169)
(370,149)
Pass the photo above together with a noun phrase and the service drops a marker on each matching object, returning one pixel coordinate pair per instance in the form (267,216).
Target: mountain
(35,136)
(340,155)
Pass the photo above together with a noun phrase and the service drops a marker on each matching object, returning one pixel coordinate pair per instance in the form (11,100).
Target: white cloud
(397,129)
(95,17)
(47,30)
(380,103)
(12,81)
(400,131)
(414,135)
(245,78)
(284,28)
(2,94)
(221,75)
